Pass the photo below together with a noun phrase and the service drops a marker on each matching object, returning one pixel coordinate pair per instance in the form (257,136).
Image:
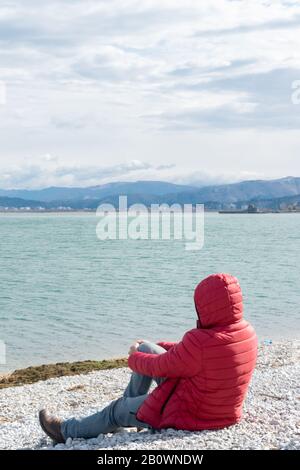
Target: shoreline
(271,414)
(93,211)
(33,374)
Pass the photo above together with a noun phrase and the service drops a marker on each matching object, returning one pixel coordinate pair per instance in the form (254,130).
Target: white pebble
(269,422)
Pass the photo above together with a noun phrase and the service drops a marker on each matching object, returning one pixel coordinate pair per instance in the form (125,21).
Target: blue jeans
(120,412)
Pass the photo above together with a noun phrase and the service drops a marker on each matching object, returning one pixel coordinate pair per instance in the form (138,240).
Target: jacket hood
(218,301)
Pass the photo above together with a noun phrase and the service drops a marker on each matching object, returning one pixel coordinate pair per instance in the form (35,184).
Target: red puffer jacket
(209,371)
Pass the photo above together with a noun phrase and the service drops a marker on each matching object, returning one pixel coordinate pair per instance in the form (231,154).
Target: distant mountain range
(96,192)
(264,193)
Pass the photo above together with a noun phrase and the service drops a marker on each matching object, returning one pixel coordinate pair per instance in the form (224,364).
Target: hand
(133,348)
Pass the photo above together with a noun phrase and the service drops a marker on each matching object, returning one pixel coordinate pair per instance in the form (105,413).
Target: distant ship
(252,209)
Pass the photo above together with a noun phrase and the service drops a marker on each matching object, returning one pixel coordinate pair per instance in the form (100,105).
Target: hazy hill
(96,192)
(277,203)
(246,190)
(18,202)
(265,193)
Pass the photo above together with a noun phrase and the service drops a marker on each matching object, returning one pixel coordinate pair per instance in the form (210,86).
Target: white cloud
(108,80)
(48,170)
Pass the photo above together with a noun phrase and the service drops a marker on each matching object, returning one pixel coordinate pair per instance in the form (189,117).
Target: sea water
(65,295)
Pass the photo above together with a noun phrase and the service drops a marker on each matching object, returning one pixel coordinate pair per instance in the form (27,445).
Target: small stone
(274,422)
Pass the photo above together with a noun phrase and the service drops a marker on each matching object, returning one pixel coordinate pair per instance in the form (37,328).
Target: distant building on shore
(251,209)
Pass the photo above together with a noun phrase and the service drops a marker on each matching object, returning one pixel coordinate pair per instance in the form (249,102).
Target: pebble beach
(271,417)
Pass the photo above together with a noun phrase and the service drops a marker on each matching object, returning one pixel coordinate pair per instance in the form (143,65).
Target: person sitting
(202,380)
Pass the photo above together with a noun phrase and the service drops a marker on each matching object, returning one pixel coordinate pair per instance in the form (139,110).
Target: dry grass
(48,371)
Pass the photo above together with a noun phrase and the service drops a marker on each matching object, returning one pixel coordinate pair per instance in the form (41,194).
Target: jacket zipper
(168,398)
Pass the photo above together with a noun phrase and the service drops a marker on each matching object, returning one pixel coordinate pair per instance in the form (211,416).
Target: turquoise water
(65,295)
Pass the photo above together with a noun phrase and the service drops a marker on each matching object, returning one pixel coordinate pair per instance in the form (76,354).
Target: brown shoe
(51,426)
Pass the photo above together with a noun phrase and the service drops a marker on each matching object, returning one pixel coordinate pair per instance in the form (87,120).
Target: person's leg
(139,384)
(119,413)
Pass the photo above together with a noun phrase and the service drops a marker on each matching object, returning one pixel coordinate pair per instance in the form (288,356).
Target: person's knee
(150,348)
(145,347)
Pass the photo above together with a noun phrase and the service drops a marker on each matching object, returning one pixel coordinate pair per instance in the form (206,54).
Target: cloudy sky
(188,91)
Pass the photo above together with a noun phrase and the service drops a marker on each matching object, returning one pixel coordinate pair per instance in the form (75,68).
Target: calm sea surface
(67,296)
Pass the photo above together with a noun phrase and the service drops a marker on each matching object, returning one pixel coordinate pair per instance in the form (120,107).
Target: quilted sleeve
(166,345)
(182,360)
